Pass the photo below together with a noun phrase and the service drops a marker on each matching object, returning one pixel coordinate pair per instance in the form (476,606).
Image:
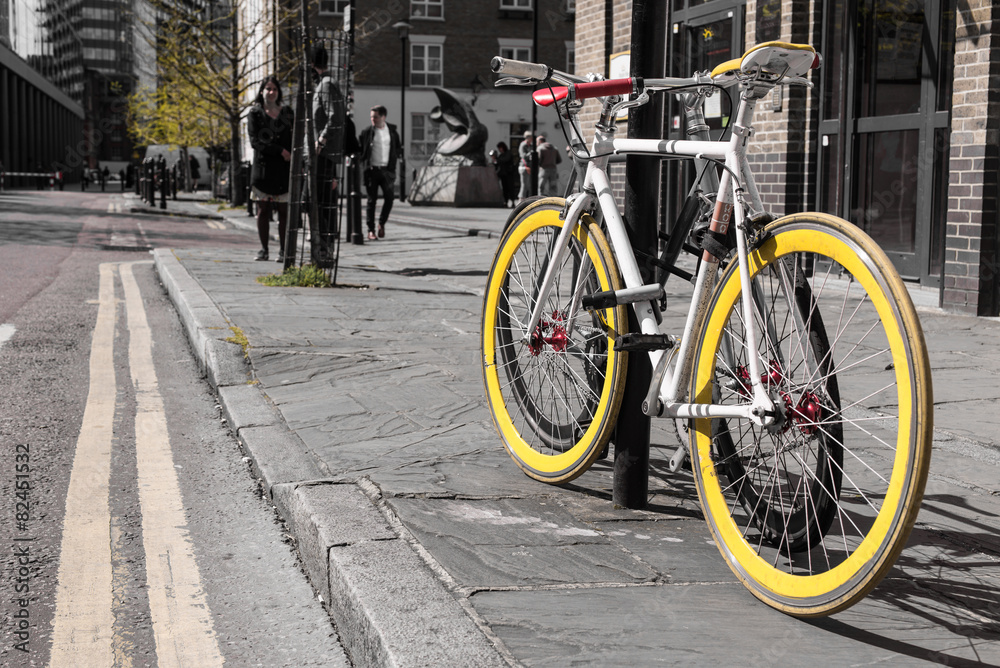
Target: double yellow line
(83,626)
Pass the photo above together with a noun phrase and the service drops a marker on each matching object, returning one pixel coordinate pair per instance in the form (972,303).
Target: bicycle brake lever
(515,81)
(628,104)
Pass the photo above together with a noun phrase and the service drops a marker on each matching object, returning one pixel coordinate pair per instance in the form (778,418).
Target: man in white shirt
(380,149)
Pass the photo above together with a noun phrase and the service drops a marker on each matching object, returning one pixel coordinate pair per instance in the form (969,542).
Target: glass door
(703,35)
(884,134)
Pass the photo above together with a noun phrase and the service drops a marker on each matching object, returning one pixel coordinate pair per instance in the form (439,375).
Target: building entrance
(884,125)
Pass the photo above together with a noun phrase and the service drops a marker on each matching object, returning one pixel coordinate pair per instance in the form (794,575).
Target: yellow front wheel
(812,510)
(554,392)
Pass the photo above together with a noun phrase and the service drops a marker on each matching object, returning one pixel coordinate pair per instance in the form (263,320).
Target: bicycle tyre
(554,397)
(845,362)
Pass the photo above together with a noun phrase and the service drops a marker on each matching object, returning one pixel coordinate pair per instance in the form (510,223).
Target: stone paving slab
(382,386)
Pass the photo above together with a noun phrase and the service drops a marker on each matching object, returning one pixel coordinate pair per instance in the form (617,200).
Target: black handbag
(258,172)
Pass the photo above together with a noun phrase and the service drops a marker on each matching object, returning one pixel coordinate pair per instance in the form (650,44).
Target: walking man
(380,149)
(548,172)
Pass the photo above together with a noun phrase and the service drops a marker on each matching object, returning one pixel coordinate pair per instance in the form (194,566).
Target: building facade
(93,52)
(40,122)
(450,44)
(899,134)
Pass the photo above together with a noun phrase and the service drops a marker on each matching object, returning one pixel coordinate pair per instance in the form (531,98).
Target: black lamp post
(404,33)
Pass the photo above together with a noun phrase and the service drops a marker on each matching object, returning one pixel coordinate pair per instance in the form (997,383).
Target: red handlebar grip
(545,97)
(603,88)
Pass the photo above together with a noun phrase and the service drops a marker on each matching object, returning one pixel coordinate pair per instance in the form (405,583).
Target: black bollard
(150,184)
(164,185)
(354,202)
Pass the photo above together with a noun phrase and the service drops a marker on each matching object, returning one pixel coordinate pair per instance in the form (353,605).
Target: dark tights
(264,221)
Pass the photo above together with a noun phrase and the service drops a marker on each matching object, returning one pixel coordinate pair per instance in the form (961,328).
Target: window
(426,66)
(333,6)
(424,137)
(521,5)
(427,9)
(571,6)
(515,135)
(570,57)
(518,49)
(516,52)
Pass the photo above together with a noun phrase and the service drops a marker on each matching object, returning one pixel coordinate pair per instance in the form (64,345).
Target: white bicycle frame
(730,203)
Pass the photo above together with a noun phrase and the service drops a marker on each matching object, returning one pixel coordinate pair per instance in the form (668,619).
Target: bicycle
(801,373)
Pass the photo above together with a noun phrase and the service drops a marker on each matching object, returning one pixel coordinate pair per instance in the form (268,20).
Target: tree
(209,65)
(174,114)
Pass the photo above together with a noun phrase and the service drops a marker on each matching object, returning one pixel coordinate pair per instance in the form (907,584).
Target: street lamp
(404,33)
(477,87)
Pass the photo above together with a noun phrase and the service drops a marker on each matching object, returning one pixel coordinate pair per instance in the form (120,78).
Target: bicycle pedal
(644,342)
(602,300)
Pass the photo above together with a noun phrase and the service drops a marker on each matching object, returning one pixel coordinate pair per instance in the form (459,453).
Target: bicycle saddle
(770,58)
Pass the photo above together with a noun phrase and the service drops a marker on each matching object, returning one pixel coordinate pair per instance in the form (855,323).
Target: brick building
(899,135)
(450,44)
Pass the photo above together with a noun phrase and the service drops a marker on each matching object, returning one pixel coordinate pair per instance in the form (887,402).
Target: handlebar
(519,68)
(547,96)
(531,72)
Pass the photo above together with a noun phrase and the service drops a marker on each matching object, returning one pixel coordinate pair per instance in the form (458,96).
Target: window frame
(512,6)
(425,42)
(342,3)
(513,46)
(428,141)
(427,3)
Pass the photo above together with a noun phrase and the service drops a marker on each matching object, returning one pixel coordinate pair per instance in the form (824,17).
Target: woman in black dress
(270,128)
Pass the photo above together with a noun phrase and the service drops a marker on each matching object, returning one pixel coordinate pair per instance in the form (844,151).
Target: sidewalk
(362,409)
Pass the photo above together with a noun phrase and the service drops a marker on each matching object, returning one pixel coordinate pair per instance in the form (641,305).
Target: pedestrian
(380,149)
(329,112)
(507,173)
(548,172)
(270,128)
(525,151)
(195,170)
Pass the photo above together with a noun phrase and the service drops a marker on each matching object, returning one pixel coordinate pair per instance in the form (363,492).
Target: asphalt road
(135,534)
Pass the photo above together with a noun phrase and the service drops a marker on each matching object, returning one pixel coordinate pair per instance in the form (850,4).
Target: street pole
(404,32)
(353,173)
(648,59)
(534,107)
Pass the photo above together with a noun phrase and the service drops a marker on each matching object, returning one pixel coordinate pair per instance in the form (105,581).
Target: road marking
(82,625)
(6,332)
(215,225)
(182,624)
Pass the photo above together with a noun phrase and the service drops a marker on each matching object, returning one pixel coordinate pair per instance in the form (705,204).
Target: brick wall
(470,28)
(782,154)
(596,31)
(971,261)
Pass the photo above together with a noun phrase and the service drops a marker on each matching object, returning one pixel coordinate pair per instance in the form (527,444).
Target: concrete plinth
(452,185)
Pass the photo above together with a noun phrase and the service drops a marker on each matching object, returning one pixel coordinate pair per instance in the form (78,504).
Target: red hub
(807,413)
(556,336)
(773,377)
